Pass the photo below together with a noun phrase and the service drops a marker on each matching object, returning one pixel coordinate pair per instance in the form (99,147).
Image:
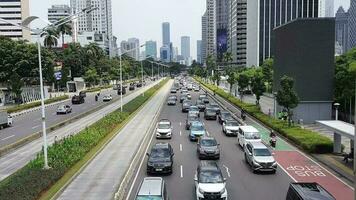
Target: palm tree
(64,29)
(51,37)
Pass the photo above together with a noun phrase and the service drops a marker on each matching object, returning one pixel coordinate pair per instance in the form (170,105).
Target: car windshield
(193,108)
(197,128)
(232,124)
(210,111)
(210,176)
(252,135)
(193,118)
(262,152)
(226,115)
(159,153)
(148,197)
(163,126)
(208,143)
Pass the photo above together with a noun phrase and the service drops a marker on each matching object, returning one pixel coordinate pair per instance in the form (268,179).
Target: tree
(15,84)
(216,77)
(64,29)
(51,37)
(91,76)
(287,97)
(267,71)
(230,72)
(210,64)
(227,57)
(258,87)
(243,82)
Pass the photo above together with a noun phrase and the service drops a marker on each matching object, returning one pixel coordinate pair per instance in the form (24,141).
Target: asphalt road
(241,182)
(29,123)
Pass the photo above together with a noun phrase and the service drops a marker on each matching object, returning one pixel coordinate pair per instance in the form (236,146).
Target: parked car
(191,118)
(77,99)
(160,159)
(152,188)
(194,110)
(259,157)
(164,129)
(171,101)
(186,105)
(173,90)
(197,130)
(209,113)
(223,116)
(307,191)
(248,134)
(208,148)
(201,105)
(64,109)
(230,128)
(209,181)
(5,119)
(107,98)
(215,106)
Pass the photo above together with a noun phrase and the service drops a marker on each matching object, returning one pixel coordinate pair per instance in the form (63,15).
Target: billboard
(221,42)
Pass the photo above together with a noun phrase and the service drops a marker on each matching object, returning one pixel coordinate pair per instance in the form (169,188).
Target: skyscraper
(352,25)
(166,35)
(151,49)
(211,28)
(221,10)
(342,30)
(165,53)
(199,51)
(58,12)
(326,8)
(131,43)
(15,12)
(204,37)
(185,46)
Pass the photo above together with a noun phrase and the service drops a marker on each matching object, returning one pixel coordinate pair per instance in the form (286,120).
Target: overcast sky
(143,18)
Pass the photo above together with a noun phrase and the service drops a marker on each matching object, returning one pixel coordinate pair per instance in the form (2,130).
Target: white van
(248,134)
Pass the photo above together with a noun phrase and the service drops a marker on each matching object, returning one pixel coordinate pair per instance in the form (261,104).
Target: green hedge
(309,141)
(35,104)
(29,182)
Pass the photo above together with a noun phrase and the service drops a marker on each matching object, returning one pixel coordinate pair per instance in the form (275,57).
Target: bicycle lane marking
(302,169)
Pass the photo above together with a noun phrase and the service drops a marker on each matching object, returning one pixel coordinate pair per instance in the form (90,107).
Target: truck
(5,119)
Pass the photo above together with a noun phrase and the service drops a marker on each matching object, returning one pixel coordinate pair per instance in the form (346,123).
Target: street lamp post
(275,104)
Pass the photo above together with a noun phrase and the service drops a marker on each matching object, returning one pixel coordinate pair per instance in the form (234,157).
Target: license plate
(158,170)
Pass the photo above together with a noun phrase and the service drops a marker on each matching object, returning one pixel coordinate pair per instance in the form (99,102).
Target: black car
(210,113)
(307,191)
(119,91)
(201,105)
(77,99)
(215,106)
(224,116)
(205,100)
(190,118)
(132,86)
(160,160)
(186,105)
(83,94)
(182,98)
(139,84)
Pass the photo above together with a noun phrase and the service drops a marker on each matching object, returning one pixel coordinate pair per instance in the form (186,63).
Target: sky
(143,18)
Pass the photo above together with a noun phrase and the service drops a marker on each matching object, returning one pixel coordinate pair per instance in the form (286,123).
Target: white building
(326,8)
(185,46)
(204,37)
(16,12)
(58,12)
(131,43)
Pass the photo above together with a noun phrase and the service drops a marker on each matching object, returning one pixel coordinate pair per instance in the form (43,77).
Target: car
(197,130)
(189,96)
(160,159)
(171,101)
(64,109)
(132,86)
(195,110)
(190,86)
(119,90)
(139,84)
(107,98)
(164,129)
(209,113)
(208,148)
(247,134)
(209,182)
(223,116)
(152,188)
(202,96)
(77,99)
(182,98)
(307,191)
(186,105)
(173,96)
(83,94)
(201,105)
(230,128)
(259,157)
(173,90)
(191,118)
(183,90)
(196,88)
(206,100)
(215,106)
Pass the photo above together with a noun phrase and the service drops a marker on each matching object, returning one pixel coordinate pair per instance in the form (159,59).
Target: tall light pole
(25,25)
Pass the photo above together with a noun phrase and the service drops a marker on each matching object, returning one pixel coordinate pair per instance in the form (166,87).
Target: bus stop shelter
(340,129)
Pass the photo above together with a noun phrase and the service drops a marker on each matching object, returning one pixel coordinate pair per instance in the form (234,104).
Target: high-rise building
(204,37)
(185,46)
(352,25)
(221,17)
(58,12)
(129,45)
(211,28)
(14,11)
(199,51)
(166,35)
(326,8)
(175,53)
(165,53)
(341,30)
(151,49)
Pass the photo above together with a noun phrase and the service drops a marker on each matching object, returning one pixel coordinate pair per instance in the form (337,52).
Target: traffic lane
(30,123)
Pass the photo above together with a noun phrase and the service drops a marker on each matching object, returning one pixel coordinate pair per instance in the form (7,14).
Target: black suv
(224,116)
(119,90)
(307,191)
(77,99)
(210,113)
(160,160)
(132,86)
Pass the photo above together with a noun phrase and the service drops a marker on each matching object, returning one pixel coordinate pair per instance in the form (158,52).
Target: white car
(230,128)
(164,129)
(248,134)
(64,109)
(107,98)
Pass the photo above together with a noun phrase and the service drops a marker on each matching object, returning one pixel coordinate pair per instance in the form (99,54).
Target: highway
(29,123)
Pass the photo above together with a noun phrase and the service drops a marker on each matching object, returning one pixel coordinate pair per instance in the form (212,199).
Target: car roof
(193,107)
(151,186)
(248,129)
(258,145)
(207,138)
(197,123)
(311,191)
(229,121)
(208,165)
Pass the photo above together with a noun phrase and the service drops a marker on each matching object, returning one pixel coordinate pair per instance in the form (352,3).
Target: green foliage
(243,81)
(35,104)
(64,29)
(51,37)
(267,71)
(307,140)
(258,86)
(286,96)
(91,76)
(231,73)
(32,180)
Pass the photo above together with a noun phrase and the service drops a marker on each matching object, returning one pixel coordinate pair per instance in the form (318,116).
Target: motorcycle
(96,97)
(243,116)
(273,141)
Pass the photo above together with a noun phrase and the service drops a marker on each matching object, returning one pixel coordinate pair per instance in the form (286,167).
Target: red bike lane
(303,169)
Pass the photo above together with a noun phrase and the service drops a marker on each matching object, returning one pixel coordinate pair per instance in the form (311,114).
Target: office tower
(166,35)
(199,51)
(130,44)
(15,12)
(342,30)
(165,53)
(151,49)
(58,12)
(185,46)
(175,53)
(352,25)
(326,8)
(221,17)
(204,30)
(211,28)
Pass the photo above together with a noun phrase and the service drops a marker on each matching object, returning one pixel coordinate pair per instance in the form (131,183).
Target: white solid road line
(181,171)
(180,133)
(180,123)
(34,127)
(180,147)
(227,171)
(207,133)
(8,137)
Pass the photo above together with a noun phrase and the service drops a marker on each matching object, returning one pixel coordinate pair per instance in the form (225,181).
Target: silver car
(230,128)
(152,188)
(259,157)
(207,148)
(64,109)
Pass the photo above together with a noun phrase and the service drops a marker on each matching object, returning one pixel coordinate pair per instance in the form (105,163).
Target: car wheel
(274,171)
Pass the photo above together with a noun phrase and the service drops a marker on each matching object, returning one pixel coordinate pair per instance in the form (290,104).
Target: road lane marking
(34,127)
(207,133)
(180,123)
(227,171)
(8,137)
(180,147)
(180,133)
(181,171)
